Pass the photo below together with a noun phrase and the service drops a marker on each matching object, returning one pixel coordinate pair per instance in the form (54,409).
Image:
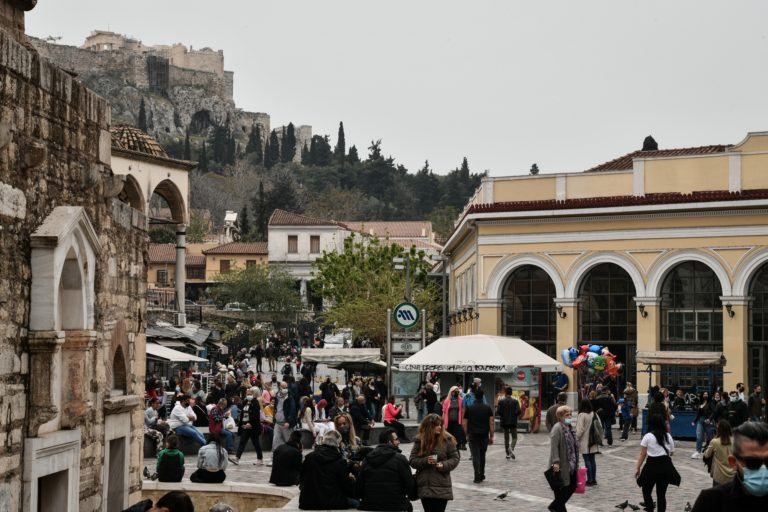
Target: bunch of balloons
(596,359)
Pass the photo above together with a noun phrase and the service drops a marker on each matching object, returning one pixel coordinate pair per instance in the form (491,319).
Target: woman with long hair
(658,470)
(583,426)
(718,451)
(211,463)
(563,457)
(350,444)
(307,414)
(434,456)
(453,414)
(704,411)
(391,414)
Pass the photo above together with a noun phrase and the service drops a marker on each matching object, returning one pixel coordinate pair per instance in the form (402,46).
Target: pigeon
(688,506)
(146,472)
(622,506)
(501,496)
(634,507)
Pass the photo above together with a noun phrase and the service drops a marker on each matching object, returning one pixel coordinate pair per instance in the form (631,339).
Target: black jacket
(254,416)
(728,497)
(738,413)
(360,415)
(606,407)
(286,465)
(508,410)
(385,481)
(329,391)
(325,484)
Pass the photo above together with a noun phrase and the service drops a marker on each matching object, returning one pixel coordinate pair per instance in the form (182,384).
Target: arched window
(607,315)
(691,319)
(758,329)
(119,383)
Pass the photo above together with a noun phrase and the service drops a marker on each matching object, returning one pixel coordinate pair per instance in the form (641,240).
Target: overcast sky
(567,84)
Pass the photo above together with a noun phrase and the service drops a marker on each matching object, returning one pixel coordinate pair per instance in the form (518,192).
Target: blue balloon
(573,352)
(566,356)
(597,349)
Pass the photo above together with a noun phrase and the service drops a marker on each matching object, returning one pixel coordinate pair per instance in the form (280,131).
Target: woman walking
(583,426)
(717,452)
(704,412)
(563,457)
(434,456)
(453,414)
(658,470)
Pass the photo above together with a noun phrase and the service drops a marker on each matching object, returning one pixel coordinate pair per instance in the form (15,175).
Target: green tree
(353,157)
(220,142)
(203,159)
(254,145)
(305,155)
(260,207)
(263,287)
(361,282)
(197,228)
(442,219)
(288,149)
(283,194)
(142,116)
(231,150)
(245,225)
(340,150)
(320,151)
(427,190)
(272,152)
(187,147)
(162,235)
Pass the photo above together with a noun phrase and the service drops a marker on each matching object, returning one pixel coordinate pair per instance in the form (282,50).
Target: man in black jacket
(508,410)
(738,412)
(361,418)
(606,411)
(385,481)
(478,424)
(329,390)
(749,488)
(326,483)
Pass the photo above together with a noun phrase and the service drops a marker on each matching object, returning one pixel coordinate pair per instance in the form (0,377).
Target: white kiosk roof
(341,355)
(168,354)
(478,353)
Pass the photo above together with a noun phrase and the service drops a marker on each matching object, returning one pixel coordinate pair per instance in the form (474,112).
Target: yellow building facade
(658,250)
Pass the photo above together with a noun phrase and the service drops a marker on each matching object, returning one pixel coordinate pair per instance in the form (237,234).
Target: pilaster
(735,336)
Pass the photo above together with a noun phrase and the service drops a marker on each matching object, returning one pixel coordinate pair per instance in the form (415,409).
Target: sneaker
(268,463)
(512,455)
(235,460)
(259,462)
(476,481)
(508,457)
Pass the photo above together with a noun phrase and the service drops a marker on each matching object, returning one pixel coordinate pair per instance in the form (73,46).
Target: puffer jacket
(325,483)
(385,481)
(430,482)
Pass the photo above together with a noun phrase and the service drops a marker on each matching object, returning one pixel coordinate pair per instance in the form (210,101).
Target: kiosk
(681,423)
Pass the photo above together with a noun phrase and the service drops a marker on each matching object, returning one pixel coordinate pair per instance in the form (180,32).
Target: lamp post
(405,264)
(444,291)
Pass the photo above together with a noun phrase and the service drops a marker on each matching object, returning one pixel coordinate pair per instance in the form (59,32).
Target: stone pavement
(524,479)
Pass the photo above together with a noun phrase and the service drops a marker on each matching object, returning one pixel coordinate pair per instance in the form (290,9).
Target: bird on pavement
(634,507)
(622,506)
(146,472)
(501,496)
(687,506)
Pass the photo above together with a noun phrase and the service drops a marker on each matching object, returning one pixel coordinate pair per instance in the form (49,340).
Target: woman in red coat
(453,412)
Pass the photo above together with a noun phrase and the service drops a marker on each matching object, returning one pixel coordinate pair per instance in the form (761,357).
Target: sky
(562,83)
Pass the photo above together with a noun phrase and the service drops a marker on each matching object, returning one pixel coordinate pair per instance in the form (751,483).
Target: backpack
(596,432)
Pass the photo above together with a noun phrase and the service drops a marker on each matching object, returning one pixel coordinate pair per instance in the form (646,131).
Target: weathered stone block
(12,202)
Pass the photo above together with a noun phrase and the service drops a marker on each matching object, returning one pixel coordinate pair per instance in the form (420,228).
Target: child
(170,462)
(625,412)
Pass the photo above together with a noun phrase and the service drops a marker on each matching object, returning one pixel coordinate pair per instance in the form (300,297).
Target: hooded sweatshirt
(385,481)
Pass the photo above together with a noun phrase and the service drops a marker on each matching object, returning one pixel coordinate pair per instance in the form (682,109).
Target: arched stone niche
(64,252)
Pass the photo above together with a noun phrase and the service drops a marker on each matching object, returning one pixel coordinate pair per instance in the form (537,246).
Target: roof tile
(394,229)
(239,248)
(166,253)
(284,218)
(624,163)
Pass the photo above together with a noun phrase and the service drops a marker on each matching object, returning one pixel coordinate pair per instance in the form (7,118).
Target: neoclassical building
(660,250)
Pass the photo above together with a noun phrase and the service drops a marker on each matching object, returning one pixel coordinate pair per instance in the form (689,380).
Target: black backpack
(596,431)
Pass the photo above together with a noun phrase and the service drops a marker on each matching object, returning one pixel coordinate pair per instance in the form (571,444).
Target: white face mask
(568,421)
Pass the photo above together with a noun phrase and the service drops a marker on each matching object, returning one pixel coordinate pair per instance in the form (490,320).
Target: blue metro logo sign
(406,315)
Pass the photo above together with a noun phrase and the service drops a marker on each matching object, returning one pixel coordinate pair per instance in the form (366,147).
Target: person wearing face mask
(285,416)
(391,415)
(182,419)
(749,489)
(453,412)
(738,412)
(563,457)
(249,427)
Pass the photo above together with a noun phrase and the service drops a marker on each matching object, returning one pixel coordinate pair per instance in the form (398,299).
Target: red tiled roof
(129,137)
(239,248)
(284,218)
(166,253)
(625,162)
(407,243)
(607,202)
(394,229)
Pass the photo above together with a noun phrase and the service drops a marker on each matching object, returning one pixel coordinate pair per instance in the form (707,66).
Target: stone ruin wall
(55,150)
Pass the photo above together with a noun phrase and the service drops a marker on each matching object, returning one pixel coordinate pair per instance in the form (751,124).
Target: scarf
(570,447)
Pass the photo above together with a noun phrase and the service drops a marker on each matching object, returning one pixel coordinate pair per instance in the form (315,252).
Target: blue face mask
(568,421)
(756,481)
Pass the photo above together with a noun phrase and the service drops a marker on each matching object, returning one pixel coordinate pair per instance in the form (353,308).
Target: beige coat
(583,424)
(721,472)
(558,453)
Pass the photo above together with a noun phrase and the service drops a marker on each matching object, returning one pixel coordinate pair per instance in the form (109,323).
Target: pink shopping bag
(581,480)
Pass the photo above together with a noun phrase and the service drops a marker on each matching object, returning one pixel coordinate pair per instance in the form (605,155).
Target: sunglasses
(753,463)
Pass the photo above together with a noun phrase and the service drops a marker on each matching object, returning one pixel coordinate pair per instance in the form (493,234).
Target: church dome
(134,139)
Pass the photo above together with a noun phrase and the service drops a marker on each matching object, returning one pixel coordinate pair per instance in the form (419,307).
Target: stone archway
(132,194)
(168,190)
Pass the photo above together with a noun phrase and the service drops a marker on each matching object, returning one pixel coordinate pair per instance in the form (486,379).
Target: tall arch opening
(607,316)
(691,320)
(758,329)
(131,194)
(72,305)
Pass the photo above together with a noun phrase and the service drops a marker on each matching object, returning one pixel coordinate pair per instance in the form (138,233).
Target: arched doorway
(692,320)
(607,316)
(131,194)
(758,329)
(528,311)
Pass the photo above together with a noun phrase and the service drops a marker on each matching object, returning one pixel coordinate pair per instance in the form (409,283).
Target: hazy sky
(567,84)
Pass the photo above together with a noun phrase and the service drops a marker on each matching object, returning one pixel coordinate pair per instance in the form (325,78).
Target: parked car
(236,306)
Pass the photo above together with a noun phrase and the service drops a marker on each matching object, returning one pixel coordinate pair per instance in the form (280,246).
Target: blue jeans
(589,462)
(229,440)
(701,434)
(420,413)
(607,430)
(189,431)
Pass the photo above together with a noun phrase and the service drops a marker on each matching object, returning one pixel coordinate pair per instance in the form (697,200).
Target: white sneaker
(268,463)
(695,455)
(235,460)
(259,462)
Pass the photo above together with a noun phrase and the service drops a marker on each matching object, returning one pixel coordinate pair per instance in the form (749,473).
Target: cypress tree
(272,153)
(142,116)
(254,145)
(260,209)
(288,149)
(353,157)
(203,164)
(231,150)
(187,148)
(305,155)
(245,227)
(341,145)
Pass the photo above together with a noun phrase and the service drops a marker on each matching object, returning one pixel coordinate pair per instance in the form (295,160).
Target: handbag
(553,479)
(229,424)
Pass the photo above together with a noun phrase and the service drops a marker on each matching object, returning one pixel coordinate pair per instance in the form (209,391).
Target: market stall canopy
(168,354)
(682,358)
(341,355)
(478,353)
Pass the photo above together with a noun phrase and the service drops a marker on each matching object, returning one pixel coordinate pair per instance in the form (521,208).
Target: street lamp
(444,276)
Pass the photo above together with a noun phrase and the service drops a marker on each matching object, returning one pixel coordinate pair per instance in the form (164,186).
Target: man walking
(272,357)
(285,416)
(606,411)
(551,418)
(508,411)
(478,425)
(259,353)
(756,404)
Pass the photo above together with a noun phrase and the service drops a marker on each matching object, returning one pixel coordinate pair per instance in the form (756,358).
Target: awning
(681,358)
(168,354)
(478,354)
(341,355)
(170,343)
(222,348)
